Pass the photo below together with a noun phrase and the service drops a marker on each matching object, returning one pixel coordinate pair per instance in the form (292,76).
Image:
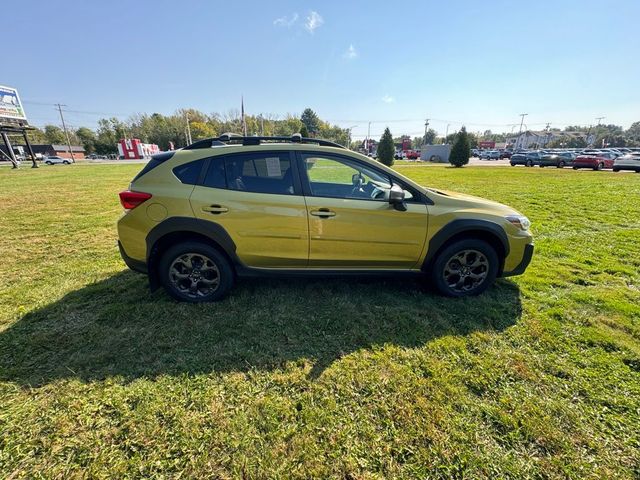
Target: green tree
(88,139)
(54,134)
(430,137)
(311,121)
(386,148)
(632,135)
(303,131)
(461,150)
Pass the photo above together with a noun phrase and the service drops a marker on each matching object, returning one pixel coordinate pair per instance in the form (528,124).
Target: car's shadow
(116,327)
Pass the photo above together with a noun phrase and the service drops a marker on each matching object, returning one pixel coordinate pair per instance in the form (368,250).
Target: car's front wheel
(195,272)
(464,268)
(561,164)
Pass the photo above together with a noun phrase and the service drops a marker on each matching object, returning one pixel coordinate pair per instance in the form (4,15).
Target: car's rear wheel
(598,166)
(528,163)
(195,272)
(561,164)
(464,268)
(616,169)
(512,164)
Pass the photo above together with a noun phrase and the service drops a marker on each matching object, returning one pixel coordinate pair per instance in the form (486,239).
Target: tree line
(164,130)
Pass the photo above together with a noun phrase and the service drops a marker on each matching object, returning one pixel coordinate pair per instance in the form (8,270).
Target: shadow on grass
(116,327)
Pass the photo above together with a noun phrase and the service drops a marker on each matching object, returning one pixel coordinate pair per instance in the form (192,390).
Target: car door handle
(323,213)
(215,209)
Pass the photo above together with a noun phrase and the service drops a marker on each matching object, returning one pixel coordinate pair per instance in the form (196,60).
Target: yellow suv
(198,218)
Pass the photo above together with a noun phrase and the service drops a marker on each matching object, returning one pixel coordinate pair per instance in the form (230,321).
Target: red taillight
(131,200)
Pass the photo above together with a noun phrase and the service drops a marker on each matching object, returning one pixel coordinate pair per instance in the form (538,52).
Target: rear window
(153,163)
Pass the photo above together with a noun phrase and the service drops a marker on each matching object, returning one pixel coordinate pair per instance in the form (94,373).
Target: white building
(541,139)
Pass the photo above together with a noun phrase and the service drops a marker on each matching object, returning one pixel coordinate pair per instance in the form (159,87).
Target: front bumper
(524,263)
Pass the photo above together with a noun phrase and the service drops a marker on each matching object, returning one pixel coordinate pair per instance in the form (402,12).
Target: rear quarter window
(189,173)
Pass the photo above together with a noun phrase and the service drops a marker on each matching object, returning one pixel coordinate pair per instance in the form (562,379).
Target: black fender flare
(456,227)
(187,225)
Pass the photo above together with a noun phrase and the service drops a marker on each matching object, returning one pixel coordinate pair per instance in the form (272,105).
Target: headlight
(519,221)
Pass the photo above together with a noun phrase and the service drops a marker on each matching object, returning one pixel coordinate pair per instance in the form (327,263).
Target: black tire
(575,168)
(561,164)
(598,167)
(616,169)
(443,276)
(65,162)
(512,164)
(528,163)
(48,163)
(211,268)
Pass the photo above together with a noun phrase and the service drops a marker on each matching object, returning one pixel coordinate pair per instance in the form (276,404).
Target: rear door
(257,197)
(351,224)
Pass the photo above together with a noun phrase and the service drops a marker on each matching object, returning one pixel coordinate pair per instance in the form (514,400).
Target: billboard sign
(11,110)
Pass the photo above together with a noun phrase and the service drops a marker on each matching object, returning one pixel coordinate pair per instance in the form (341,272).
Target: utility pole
(599,120)
(446,134)
(64,126)
(261,125)
(189,141)
(426,129)
(349,136)
(369,138)
(522,115)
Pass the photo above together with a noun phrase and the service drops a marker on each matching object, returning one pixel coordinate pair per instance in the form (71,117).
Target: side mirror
(396,198)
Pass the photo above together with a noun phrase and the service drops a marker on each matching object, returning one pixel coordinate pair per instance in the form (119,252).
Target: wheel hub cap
(466,270)
(194,275)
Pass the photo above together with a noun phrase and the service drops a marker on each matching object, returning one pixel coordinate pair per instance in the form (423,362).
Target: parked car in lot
(197,218)
(520,158)
(55,160)
(505,154)
(595,161)
(558,159)
(630,161)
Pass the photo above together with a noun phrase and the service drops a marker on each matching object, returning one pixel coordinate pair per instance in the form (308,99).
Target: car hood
(463,200)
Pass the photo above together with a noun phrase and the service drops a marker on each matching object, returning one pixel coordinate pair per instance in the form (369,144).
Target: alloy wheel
(194,275)
(466,270)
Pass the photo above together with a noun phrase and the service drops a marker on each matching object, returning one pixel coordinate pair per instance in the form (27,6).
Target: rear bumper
(524,263)
(133,264)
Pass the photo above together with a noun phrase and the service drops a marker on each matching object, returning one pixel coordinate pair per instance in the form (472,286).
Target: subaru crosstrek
(198,218)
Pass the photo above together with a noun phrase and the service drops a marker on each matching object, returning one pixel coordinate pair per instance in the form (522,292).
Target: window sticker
(273,166)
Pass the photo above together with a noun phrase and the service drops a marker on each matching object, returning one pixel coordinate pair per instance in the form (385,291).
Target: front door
(256,197)
(351,223)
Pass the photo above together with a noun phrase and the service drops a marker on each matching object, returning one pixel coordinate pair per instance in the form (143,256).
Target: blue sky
(480,63)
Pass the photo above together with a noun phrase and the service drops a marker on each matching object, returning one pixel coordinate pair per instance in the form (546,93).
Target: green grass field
(353,379)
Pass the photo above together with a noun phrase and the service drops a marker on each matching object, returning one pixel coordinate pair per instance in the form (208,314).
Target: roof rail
(234,138)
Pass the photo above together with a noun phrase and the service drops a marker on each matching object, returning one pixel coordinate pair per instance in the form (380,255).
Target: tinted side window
(215,177)
(260,172)
(189,172)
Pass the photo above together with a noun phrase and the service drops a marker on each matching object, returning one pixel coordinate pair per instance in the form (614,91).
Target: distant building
(133,148)
(53,150)
(541,139)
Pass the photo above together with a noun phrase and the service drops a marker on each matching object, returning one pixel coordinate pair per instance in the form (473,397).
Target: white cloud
(313,21)
(388,99)
(286,21)
(351,53)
